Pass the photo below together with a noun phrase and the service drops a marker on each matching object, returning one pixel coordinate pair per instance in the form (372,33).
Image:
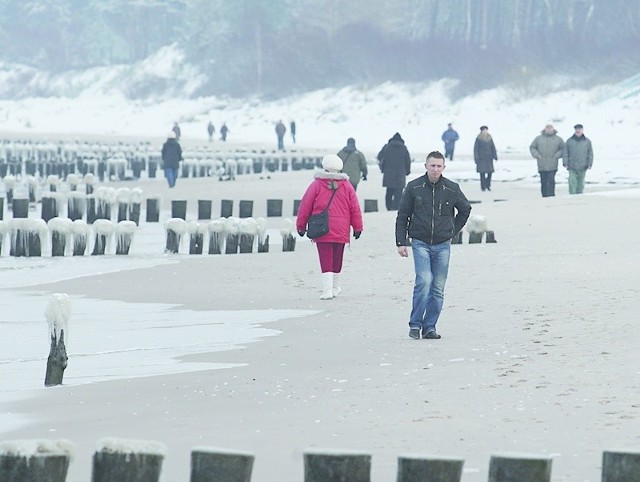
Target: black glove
(302,232)
(364,177)
(356,234)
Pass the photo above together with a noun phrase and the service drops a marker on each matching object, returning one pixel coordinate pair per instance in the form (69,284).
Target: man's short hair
(435,155)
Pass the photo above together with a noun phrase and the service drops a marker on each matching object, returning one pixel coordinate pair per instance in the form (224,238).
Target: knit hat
(331,162)
(351,142)
(578,126)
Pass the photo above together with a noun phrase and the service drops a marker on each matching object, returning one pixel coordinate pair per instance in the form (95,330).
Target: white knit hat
(331,162)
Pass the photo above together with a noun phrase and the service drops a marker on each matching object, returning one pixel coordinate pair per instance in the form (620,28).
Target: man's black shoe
(431,335)
(414,333)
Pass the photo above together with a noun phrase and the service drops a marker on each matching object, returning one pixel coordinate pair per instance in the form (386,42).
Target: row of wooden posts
(118,460)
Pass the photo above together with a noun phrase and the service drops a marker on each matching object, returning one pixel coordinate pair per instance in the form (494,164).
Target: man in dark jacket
(450,136)
(577,157)
(395,165)
(432,211)
(171,157)
(484,152)
(280,131)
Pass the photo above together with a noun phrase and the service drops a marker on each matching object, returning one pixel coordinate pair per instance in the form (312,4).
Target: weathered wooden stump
(370,205)
(124,236)
(274,208)
(120,460)
(519,468)
(621,466)
(204,209)
(326,466)
(216,236)
(80,231)
(57,313)
(104,230)
(213,465)
(490,237)
(35,460)
(246,209)
(226,208)
(175,229)
(153,209)
(415,468)
(179,209)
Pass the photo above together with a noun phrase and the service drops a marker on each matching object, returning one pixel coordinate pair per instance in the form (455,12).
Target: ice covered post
(118,460)
(123,196)
(231,230)
(196,236)
(32,183)
(263,238)
(209,465)
(327,466)
(105,196)
(248,229)
(417,468)
(620,466)
(60,229)
(124,235)
(53,181)
(57,313)
(519,468)
(175,228)
(89,182)
(80,231)
(153,209)
(216,236)
(104,230)
(476,227)
(35,460)
(288,238)
(76,205)
(73,180)
(134,205)
(51,204)
(4,229)
(9,182)
(27,236)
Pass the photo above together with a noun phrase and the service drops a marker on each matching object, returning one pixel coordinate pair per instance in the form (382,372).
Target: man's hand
(403,251)
(364,177)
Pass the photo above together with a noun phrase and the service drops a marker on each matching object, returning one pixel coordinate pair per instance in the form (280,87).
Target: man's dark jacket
(171,154)
(431,212)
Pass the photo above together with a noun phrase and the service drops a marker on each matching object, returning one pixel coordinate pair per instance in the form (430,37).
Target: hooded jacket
(395,163)
(484,152)
(353,163)
(344,211)
(171,154)
(578,153)
(431,212)
(547,149)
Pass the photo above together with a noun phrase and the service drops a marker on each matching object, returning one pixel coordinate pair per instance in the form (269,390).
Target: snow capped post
(51,204)
(232,239)
(216,236)
(248,229)
(246,209)
(326,466)
(617,466)
(4,229)
(32,182)
(196,236)
(516,468)
(57,313)
(416,468)
(73,180)
(89,181)
(175,228)
(9,181)
(105,197)
(27,236)
(179,209)
(53,181)
(135,201)
(124,234)
(153,209)
(41,460)
(263,238)
(208,464)
(122,197)
(288,238)
(127,460)
(60,229)
(476,227)
(104,229)
(76,205)
(80,231)
(204,209)
(226,208)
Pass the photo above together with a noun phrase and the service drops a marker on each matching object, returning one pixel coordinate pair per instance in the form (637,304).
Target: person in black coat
(171,157)
(395,165)
(484,152)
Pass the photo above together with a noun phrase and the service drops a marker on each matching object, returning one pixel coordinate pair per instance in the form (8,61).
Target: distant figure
(484,152)
(292,130)
(171,157)
(395,166)
(280,131)
(354,163)
(577,157)
(224,130)
(450,136)
(547,149)
(176,130)
(210,130)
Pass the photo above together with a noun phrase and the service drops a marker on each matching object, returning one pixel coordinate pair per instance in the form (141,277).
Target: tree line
(276,47)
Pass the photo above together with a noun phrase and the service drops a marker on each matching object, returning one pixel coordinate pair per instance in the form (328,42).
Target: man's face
(578,132)
(434,166)
(549,129)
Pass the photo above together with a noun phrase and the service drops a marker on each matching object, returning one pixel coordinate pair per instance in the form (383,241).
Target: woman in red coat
(344,214)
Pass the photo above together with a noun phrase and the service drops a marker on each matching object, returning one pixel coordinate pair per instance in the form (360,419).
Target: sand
(537,356)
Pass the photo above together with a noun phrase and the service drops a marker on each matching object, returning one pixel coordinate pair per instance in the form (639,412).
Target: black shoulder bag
(318,224)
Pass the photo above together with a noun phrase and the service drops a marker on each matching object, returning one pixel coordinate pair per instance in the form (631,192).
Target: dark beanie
(578,126)
(396,137)
(351,142)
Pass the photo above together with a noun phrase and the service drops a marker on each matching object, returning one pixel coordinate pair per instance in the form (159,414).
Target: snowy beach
(536,356)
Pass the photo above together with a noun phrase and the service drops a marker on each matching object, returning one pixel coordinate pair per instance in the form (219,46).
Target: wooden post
(118,460)
(621,466)
(204,209)
(337,467)
(20,208)
(414,468)
(124,234)
(490,237)
(475,238)
(179,209)
(211,465)
(519,468)
(296,206)
(35,460)
(274,208)
(57,313)
(153,210)
(370,205)
(216,236)
(226,208)
(246,209)
(457,239)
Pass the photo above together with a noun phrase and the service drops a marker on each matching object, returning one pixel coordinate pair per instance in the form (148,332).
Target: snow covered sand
(537,354)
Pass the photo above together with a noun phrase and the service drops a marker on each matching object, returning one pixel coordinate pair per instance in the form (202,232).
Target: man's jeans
(432,266)
(171,175)
(576,181)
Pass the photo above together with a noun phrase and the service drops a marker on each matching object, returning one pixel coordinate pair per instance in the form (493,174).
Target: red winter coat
(344,212)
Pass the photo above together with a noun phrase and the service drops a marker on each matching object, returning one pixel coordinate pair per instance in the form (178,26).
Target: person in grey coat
(354,163)
(484,152)
(547,149)
(577,157)
(395,165)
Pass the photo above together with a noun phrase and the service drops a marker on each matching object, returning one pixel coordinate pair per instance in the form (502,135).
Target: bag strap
(331,199)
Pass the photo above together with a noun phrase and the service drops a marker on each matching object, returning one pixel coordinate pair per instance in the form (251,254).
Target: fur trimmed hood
(332,176)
